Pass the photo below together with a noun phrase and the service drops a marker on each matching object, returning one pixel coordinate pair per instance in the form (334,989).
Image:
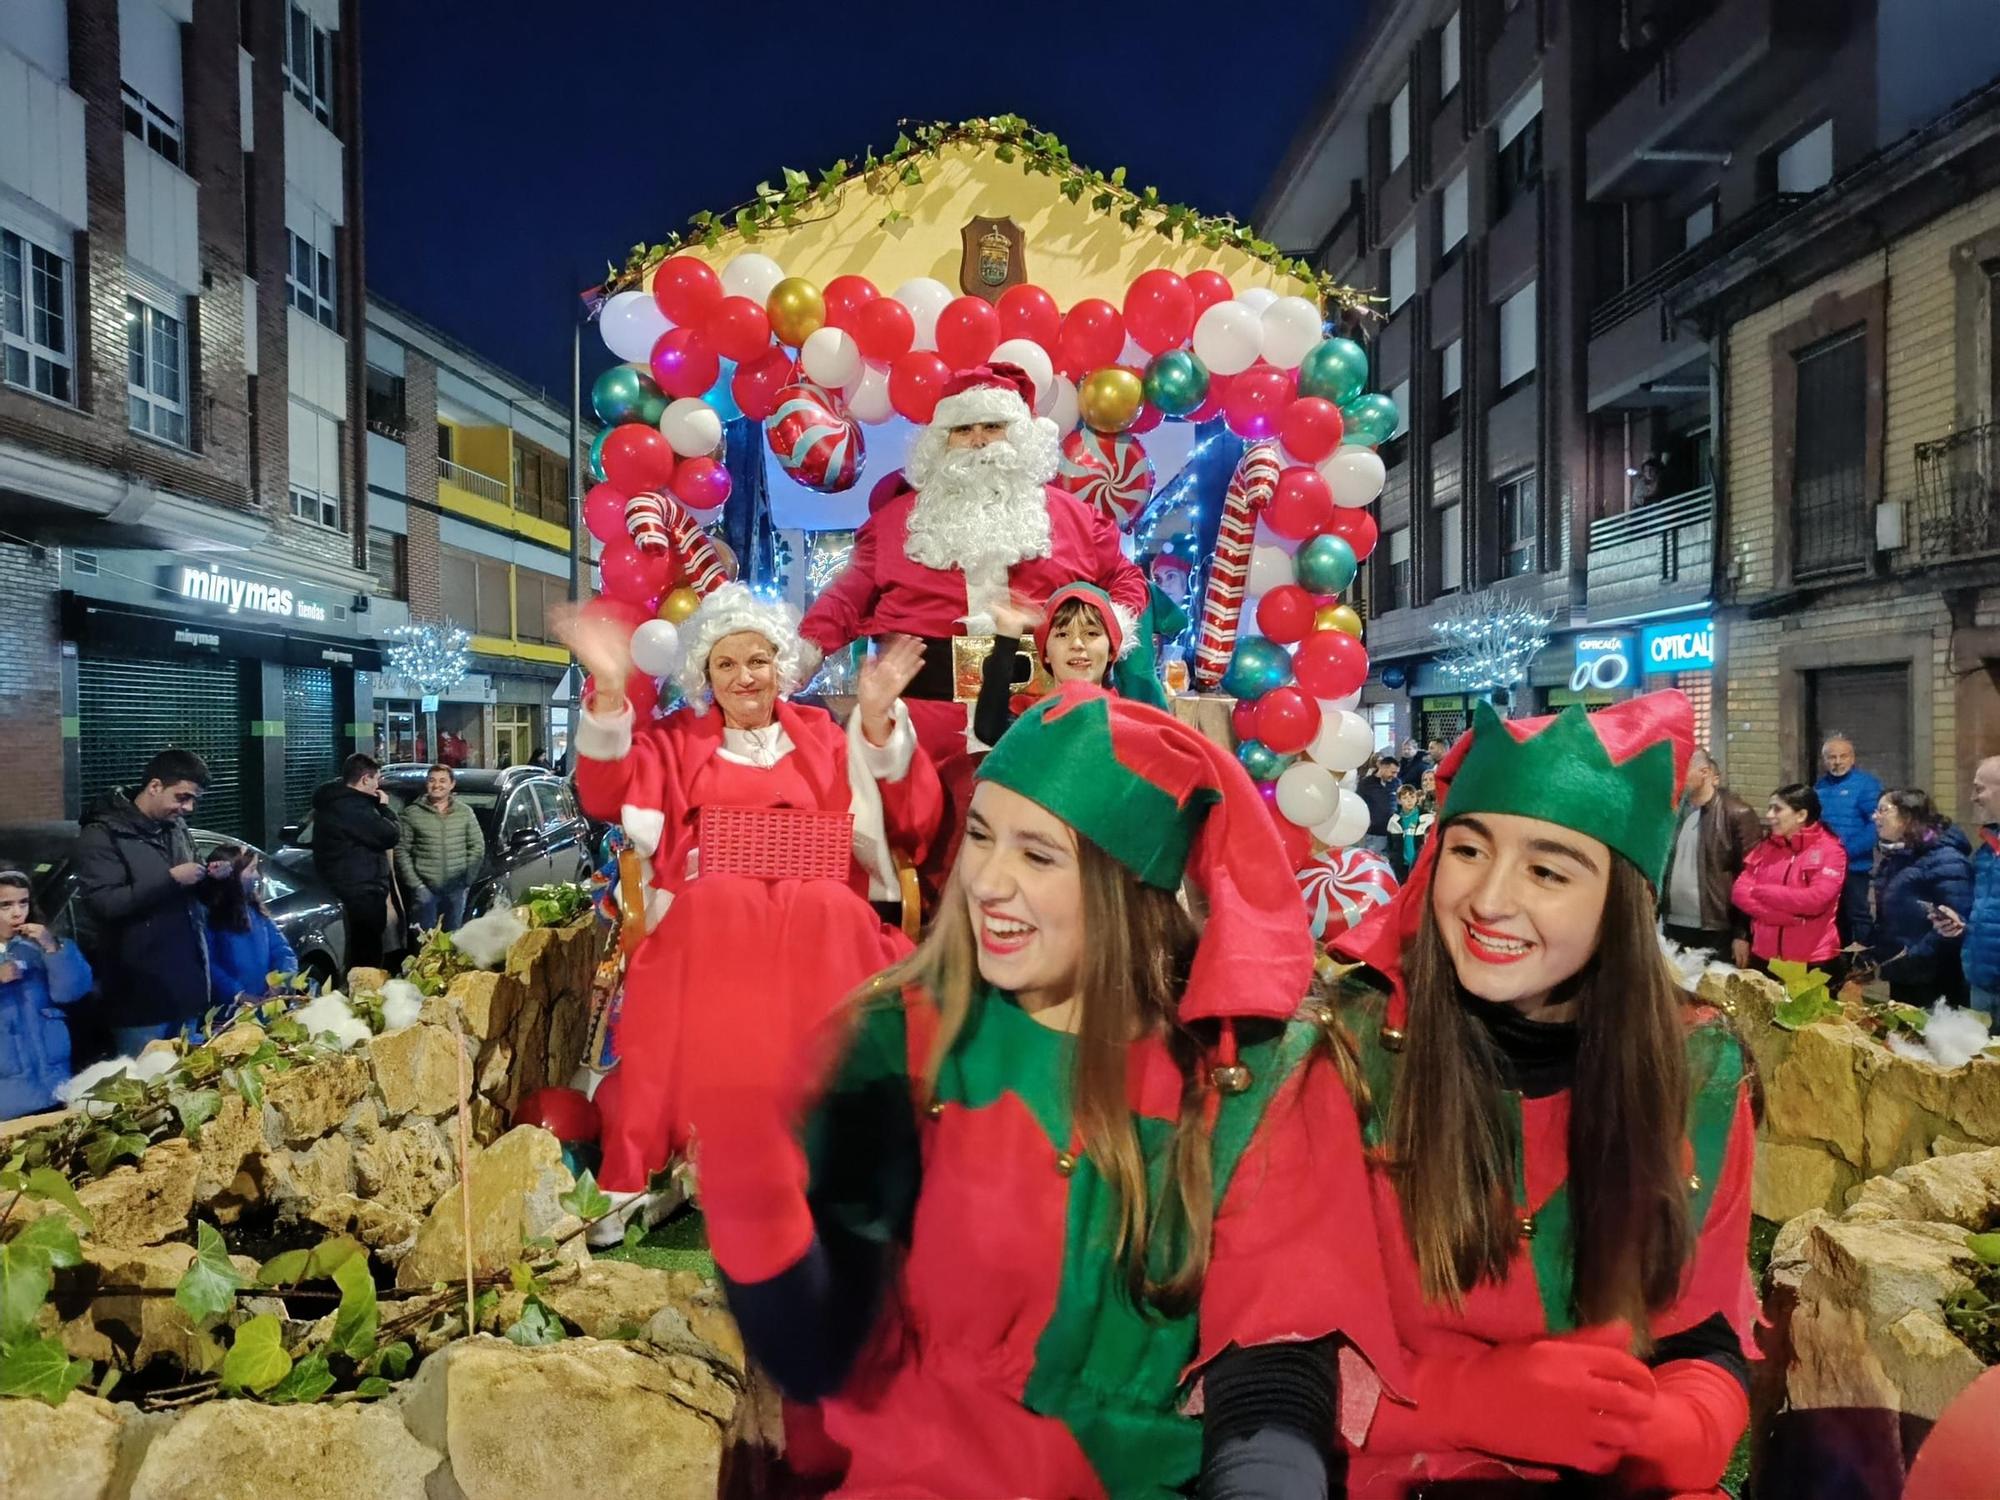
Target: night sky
(512,148)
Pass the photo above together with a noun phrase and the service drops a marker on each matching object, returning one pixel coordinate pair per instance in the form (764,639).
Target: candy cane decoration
(660,523)
(1250,490)
(646,521)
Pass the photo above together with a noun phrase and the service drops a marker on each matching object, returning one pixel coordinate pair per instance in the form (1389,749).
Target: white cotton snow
(485,940)
(328,1016)
(1689,964)
(145,1068)
(402,1003)
(1952,1038)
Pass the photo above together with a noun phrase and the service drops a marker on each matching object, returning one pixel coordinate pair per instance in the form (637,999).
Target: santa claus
(975,522)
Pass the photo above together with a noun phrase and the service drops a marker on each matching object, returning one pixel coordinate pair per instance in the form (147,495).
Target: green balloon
(1176,382)
(1324,565)
(1369,419)
(1261,761)
(651,408)
(619,394)
(1336,369)
(595,467)
(1257,667)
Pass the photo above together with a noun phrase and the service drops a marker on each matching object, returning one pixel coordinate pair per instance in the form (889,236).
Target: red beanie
(1097,599)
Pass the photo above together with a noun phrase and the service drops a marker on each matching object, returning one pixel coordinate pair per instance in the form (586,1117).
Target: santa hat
(1165,801)
(730,609)
(986,393)
(1097,599)
(1615,775)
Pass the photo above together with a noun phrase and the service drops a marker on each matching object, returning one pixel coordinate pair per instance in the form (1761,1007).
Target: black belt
(953,664)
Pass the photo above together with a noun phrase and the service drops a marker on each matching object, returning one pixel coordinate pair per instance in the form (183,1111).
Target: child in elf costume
(1566,1221)
(1078,1172)
(1077,639)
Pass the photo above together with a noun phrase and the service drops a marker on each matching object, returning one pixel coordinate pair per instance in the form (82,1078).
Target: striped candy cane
(1250,490)
(701,565)
(646,522)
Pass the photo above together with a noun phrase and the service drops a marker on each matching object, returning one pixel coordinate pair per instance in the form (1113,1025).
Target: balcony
(485,486)
(1651,560)
(1689,110)
(1958,495)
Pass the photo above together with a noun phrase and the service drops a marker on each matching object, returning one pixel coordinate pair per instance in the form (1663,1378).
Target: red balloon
(633,576)
(686,289)
(566,1114)
(603,608)
(1353,525)
(1159,311)
(1150,416)
(756,383)
(1218,392)
(637,458)
(885,330)
(1298,841)
(1330,664)
(643,693)
(1301,505)
(1091,337)
(916,381)
(1243,719)
(845,296)
(1284,614)
(967,331)
(1256,399)
(1310,428)
(1028,312)
(685,363)
(1287,719)
(1209,288)
(738,329)
(701,483)
(604,514)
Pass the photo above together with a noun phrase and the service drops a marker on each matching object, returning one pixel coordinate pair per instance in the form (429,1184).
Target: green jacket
(438,848)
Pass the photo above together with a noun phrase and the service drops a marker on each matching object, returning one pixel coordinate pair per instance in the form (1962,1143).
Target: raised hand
(604,648)
(892,668)
(1017,617)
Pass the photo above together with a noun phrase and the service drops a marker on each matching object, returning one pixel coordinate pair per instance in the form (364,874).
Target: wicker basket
(776,843)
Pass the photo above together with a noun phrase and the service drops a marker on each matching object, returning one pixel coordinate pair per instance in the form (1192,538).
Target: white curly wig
(730,609)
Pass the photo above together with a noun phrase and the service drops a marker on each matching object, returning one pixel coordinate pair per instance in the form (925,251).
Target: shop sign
(1682,646)
(213,586)
(197,638)
(1603,663)
(1442,705)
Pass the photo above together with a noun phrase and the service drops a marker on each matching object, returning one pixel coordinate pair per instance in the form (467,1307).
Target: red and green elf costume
(939,1270)
(1614,775)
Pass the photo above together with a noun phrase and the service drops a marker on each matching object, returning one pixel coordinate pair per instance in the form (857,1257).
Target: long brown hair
(1454,1158)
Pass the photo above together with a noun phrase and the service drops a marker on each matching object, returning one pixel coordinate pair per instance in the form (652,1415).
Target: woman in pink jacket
(1790,885)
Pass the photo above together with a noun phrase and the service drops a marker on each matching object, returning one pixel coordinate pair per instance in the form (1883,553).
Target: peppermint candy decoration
(816,442)
(1342,886)
(1109,472)
(646,520)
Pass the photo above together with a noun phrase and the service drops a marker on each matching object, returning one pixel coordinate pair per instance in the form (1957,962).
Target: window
(1454,215)
(494,614)
(320,510)
(309,64)
(385,404)
(458,585)
(1451,548)
(1698,225)
(1451,383)
(388,562)
(145,121)
(1448,58)
(1402,269)
(445,450)
(310,277)
(523,814)
(541,484)
(1832,526)
(1519,552)
(35,318)
(514,745)
(149,67)
(534,594)
(1519,166)
(1396,449)
(156,375)
(315,465)
(1399,569)
(1517,336)
(1399,128)
(1806,165)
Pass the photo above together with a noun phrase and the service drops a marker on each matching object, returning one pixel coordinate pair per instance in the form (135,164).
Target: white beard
(980,510)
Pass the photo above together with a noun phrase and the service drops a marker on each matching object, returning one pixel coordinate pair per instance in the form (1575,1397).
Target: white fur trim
(864,800)
(658,899)
(983,403)
(890,762)
(730,609)
(603,736)
(1128,629)
(643,826)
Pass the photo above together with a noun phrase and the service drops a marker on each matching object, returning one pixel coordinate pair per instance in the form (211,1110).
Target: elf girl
(1561,1136)
(1077,639)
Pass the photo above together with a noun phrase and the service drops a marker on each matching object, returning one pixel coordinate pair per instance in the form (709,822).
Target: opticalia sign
(1682,646)
(213,586)
(1603,663)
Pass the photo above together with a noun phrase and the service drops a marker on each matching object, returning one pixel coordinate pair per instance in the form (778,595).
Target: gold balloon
(678,605)
(797,310)
(1337,617)
(1109,399)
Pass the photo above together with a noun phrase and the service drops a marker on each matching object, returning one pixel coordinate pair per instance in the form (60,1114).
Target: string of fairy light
(434,657)
(1490,646)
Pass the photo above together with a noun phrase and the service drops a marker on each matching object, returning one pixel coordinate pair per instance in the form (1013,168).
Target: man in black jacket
(354,828)
(1378,789)
(137,881)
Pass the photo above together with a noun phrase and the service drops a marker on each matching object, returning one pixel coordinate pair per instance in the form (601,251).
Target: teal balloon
(1261,761)
(1324,565)
(596,465)
(651,408)
(1176,382)
(621,393)
(1257,667)
(721,397)
(1336,369)
(1369,419)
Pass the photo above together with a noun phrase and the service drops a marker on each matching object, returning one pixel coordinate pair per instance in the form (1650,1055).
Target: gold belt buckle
(968,664)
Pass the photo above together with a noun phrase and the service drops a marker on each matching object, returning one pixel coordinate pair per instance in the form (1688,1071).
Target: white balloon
(831,357)
(1062,409)
(1034,359)
(691,427)
(1307,794)
(1257,298)
(1355,474)
(1291,330)
(656,648)
(1228,337)
(752,275)
(632,323)
(1348,825)
(925,297)
(1343,742)
(1345,704)
(868,396)
(1269,567)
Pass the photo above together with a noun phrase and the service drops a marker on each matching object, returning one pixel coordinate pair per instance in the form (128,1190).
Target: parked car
(536,833)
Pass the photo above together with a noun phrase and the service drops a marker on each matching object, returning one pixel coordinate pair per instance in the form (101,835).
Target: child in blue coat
(244,945)
(40,974)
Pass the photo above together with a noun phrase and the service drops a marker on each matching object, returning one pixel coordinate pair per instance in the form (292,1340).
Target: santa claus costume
(973,526)
(1510,1395)
(938,1257)
(742,959)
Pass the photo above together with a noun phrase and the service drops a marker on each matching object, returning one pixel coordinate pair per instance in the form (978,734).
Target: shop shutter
(1871,707)
(129,709)
(311,756)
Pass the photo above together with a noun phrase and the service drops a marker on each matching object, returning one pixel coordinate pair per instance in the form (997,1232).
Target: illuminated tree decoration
(1489,642)
(434,657)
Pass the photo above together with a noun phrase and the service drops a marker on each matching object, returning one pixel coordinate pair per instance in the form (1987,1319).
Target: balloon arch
(703,346)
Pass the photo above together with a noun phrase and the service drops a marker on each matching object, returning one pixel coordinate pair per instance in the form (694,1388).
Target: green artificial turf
(1736,1477)
(676,1244)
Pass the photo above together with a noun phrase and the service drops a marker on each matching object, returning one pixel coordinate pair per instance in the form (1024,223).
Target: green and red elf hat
(1097,599)
(1166,802)
(1615,775)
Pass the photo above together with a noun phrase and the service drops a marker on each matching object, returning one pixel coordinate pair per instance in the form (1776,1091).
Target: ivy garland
(802,199)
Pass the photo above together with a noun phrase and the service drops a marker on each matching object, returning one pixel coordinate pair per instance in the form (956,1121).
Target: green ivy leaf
(635,1235)
(42,1369)
(196,1107)
(284,1269)
(910,175)
(105,1147)
(289,1031)
(524,1280)
(247,1081)
(1803,1009)
(51,1186)
(586,1200)
(52,1237)
(310,1379)
(25,1280)
(109,1382)
(391,1360)
(1985,1246)
(374,1388)
(256,1360)
(536,1325)
(354,1322)
(208,1287)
